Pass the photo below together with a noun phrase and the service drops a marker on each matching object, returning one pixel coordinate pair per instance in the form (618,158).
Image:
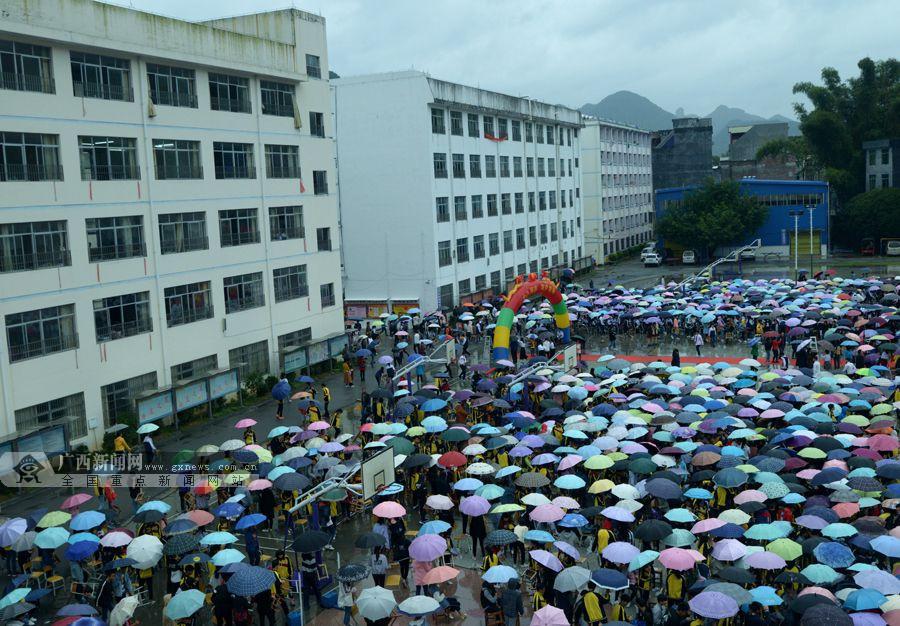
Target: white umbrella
(232,444)
(376,603)
(571,579)
(418,605)
(146,550)
(123,611)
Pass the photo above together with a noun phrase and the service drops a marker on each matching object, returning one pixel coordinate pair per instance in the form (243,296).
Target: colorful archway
(522,291)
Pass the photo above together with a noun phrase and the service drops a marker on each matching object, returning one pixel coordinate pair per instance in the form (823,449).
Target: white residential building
(618,187)
(447,191)
(167,208)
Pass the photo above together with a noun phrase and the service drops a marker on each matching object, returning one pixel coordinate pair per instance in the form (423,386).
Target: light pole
(796,215)
(811,208)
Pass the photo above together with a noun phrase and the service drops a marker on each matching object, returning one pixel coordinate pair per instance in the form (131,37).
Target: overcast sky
(694,54)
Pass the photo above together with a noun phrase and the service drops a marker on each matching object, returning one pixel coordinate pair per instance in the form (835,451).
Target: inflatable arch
(522,291)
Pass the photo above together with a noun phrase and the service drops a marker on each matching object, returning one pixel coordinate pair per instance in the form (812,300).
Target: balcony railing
(27,82)
(281,110)
(186,244)
(235,305)
(290,171)
(235,171)
(234,105)
(35,261)
(30,172)
(118,251)
(283,234)
(47,345)
(104,92)
(176,172)
(179,318)
(111,172)
(291,293)
(121,330)
(229,238)
(175,99)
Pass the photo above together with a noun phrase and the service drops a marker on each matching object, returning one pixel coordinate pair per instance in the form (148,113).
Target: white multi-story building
(167,206)
(447,191)
(618,187)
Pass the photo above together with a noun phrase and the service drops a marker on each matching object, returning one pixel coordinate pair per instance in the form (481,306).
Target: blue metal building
(782,197)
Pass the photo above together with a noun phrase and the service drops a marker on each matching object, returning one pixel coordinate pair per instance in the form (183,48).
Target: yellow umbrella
(788,549)
(507,508)
(600,486)
(415,431)
(598,462)
(617,456)
(54,518)
(812,453)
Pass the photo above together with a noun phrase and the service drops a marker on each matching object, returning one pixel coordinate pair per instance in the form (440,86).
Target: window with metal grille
(437,121)
(445,295)
(440,165)
(172,86)
(250,359)
(520,238)
(480,282)
(290,283)
(194,368)
(229,93)
(29,157)
(112,238)
(516,130)
(459,207)
(108,158)
(320,182)
(326,292)
(40,332)
(462,250)
(472,119)
(68,410)
(276,98)
(490,166)
(238,227)
(459,166)
(507,240)
(529,166)
(517,167)
(99,76)
(316,124)
(313,66)
(118,398)
(444,258)
(492,205)
(519,198)
(442,209)
(478,247)
(34,245)
(282,161)
(188,303)
(477,208)
(26,67)
(177,159)
(233,160)
(243,292)
(117,317)
(493,244)
(529,136)
(286,222)
(456,127)
(505,204)
(465,287)
(474,166)
(504,167)
(182,232)
(294,339)
(323,239)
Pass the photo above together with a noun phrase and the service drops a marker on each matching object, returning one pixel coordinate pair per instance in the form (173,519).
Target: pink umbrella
(199,517)
(547,513)
(389,509)
(440,574)
(677,559)
(883,443)
(474,505)
(245,423)
(549,616)
(706,525)
(729,550)
(750,495)
(259,484)
(427,547)
(116,539)
(620,552)
(765,560)
(320,425)
(75,501)
(570,461)
(819,591)
(547,559)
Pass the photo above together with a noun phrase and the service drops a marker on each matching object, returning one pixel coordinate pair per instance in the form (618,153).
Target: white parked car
(893,247)
(652,260)
(688,257)
(647,252)
(748,255)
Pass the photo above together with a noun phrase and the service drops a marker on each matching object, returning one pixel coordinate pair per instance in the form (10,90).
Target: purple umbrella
(520,451)
(474,505)
(386,359)
(729,550)
(427,547)
(620,552)
(813,522)
(765,560)
(532,441)
(331,446)
(867,619)
(713,604)
(617,513)
(567,548)
(547,560)
(879,580)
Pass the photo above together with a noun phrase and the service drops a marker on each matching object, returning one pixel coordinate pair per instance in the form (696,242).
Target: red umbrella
(452,459)
(73,502)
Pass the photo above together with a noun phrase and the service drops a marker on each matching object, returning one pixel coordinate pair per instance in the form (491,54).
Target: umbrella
(609,579)
(370,540)
(864,600)
(427,547)
(146,551)
(500,574)
(834,554)
(14,596)
(547,559)
(185,603)
(677,559)
(620,552)
(549,616)
(827,614)
(77,609)
(714,605)
(15,610)
(51,538)
(389,510)
(879,580)
(311,541)
(376,603)
(352,573)
(12,529)
(733,591)
(474,505)
(571,579)
(251,580)
(440,574)
(418,606)
(180,544)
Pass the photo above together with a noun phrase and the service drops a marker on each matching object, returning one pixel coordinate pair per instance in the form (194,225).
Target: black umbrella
(311,541)
(737,575)
(352,573)
(291,481)
(370,540)
(416,460)
(148,516)
(177,545)
(865,483)
(652,530)
(13,611)
(825,615)
(382,393)
(532,480)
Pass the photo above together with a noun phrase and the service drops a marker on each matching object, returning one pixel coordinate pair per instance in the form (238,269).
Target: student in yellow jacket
(593,611)
(675,586)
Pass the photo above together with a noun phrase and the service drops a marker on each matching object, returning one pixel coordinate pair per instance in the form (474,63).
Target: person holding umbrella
(346,601)
(222,601)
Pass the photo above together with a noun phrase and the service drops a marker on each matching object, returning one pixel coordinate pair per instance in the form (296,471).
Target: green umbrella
(183,457)
(680,538)
(775,490)
(335,495)
(401,445)
(455,434)
(642,466)
(16,595)
(819,574)
(644,558)
(764,532)
(839,529)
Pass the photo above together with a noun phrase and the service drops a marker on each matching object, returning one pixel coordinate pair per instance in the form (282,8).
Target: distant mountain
(632,108)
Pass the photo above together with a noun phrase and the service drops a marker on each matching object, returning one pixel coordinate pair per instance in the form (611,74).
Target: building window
(290,283)
(233,160)
(286,222)
(552,199)
(445,295)
(480,282)
(29,157)
(477,208)
(551,167)
(437,121)
(516,130)
(885,156)
(509,274)
(188,303)
(474,166)
(539,132)
(885,180)
(440,165)
(229,93)
(472,119)
(462,250)
(872,155)
(456,127)
(543,233)
(250,359)
(442,209)
(550,135)
(493,244)
(553,232)
(34,245)
(504,167)
(282,161)
(502,128)
(25,67)
(529,166)
(459,208)
(323,239)
(492,205)
(520,202)
(41,332)
(542,200)
(326,293)
(108,158)
(98,76)
(316,124)
(490,167)
(459,166)
(238,227)
(192,369)
(465,287)
(172,86)
(520,238)
(182,232)
(540,169)
(517,167)
(444,258)
(531,206)
(177,159)
(277,98)
(521,269)
(294,339)
(532,236)
(111,238)
(478,247)
(488,126)
(505,204)
(118,398)
(68,410)
(507,240)
(313,66)
(243,292)
(320,182)
(529,137)
(122,316)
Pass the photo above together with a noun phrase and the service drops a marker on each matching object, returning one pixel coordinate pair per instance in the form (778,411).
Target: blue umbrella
(500,574)
(89,537)
(155,505)
(573,520)
(182,525)
(569,481)
(435,404)
(184,604)
(363,353)
(229,509)
(539,536)
(609,579)
(306,379)
(249,581)
(467,484)
(76,609)
(249,521)
(81,550)
(281,390)
(887,545)
(766,596)
(864,600)
(834,554)
(435,527)
(87,520)
(730,477)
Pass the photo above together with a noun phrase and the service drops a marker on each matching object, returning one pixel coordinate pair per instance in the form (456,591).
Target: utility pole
(811,208)
(796,215)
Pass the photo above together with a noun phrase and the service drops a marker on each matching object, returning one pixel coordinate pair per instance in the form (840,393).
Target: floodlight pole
(796,215)
(811,208)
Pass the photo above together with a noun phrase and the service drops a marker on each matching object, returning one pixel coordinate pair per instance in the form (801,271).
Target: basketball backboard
(570,357)
(377,472)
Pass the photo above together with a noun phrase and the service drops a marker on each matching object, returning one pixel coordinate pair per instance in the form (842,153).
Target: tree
(713,215)
(874,214)
(794,149)
(844,114)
